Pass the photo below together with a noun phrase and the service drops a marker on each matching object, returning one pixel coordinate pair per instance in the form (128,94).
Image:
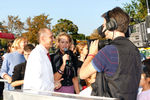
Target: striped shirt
(106,60)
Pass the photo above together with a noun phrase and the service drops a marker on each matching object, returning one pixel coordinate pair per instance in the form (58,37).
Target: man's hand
(94,47)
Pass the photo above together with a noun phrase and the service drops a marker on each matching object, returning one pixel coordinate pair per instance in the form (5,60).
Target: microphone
(66,50)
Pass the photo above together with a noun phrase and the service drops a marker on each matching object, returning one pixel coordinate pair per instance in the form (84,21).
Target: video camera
(101,43)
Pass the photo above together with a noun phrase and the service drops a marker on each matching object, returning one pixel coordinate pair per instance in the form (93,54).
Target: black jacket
(18,73)
(70,71)
(125,82)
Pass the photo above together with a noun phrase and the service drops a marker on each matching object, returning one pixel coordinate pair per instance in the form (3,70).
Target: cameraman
(118,65)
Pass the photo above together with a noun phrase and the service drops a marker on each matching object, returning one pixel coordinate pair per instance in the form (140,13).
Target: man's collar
(43,48)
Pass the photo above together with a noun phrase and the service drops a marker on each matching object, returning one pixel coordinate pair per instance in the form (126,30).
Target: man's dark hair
(146,67)
(121,17)
(146,71)
(29,48)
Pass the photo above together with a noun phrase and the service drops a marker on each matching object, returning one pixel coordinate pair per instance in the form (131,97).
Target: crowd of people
(116,70)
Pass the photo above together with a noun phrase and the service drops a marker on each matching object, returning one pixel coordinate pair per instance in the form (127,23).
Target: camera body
(101,43)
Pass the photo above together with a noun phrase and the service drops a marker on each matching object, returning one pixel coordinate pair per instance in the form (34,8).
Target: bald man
(39,73)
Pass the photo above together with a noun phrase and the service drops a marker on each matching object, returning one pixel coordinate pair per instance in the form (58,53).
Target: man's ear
(42,38)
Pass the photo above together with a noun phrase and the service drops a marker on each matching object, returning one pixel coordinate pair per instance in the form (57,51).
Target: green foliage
(3,42)
(33,26)
(87,37)
(136,10)
(15,25)
(78,36)
(82,36)
(95,35)
(64,25)
(3,28)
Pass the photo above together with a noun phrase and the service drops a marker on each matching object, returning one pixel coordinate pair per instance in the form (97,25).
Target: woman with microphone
(65,64)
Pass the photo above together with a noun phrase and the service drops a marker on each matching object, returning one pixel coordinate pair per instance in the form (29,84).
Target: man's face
(48,39)
(22,44)
(143,80)
(26,54)
(107,32)
(104,27)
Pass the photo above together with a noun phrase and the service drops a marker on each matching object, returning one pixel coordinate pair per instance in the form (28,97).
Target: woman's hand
(57,84)
(8,78)
(65,57)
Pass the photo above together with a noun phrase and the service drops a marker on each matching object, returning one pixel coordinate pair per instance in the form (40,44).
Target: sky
(86,14)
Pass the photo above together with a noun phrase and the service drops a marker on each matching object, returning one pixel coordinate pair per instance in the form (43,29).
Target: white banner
(2,80)
(36,95)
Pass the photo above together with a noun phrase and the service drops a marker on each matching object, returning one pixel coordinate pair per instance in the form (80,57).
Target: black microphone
(66,50)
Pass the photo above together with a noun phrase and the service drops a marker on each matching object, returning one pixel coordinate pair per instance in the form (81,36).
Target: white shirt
(144,95)
(39,73)
(86,92)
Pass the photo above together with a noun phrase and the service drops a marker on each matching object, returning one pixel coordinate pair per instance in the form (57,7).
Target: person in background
(1,83)
(1,61)
(117,65)
(65,64)
(143,57)
(82,48)
(11,60)
(10,48)
(19,70)
(39,73)
(145,81)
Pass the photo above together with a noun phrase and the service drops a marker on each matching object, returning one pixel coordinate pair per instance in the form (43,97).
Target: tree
(65,25)
(15,25)
(137,10)
(19,27)
(95,35)
(87,37)
(33,26)
(78,36)
(3,28)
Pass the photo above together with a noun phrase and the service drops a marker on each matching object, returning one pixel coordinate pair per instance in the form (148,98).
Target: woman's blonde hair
(17,41)
(63,34)
(80,47)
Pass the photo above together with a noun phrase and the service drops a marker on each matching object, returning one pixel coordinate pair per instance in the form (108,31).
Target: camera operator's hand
(94,47)
(65,57)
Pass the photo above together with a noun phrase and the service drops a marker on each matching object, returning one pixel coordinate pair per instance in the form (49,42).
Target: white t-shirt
(39,73)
